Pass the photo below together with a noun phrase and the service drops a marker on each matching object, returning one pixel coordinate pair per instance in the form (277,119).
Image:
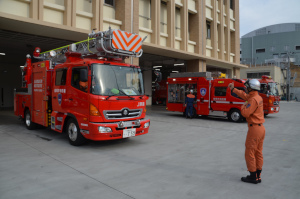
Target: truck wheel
(235,115)
(74,135)
(27,120)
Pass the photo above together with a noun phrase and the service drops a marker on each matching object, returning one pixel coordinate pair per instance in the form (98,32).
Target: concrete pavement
(179,158)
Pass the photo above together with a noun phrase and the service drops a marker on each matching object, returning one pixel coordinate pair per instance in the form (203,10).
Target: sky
(255,14)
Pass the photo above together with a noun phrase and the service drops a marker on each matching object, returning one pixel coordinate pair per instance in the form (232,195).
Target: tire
(27,120)
(235,115)
(266,114)
(73,133)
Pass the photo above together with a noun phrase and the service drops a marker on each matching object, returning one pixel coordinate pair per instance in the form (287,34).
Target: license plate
(128,133)
(277,109)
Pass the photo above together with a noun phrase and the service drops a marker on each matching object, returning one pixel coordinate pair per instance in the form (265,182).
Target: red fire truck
(159,92)
(213,97)
(270,95)
(85,89)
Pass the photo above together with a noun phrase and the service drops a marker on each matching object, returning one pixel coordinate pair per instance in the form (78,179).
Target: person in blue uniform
(189,101)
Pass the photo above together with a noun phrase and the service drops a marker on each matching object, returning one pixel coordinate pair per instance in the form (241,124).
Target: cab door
(78,93)
(59,91)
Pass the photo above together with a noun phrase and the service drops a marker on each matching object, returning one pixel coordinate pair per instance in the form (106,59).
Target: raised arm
(240,93)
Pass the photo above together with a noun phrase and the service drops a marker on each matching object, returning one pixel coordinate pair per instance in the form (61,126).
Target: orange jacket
(253,110)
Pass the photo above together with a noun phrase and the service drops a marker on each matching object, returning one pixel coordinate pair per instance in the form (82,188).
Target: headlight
(146,125)
(272,109)
(103,129)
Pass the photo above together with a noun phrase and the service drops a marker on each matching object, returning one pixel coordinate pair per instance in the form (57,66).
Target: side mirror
(158,76)
(83,75)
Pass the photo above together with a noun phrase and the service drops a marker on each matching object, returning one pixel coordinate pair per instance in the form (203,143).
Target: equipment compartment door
(39,94)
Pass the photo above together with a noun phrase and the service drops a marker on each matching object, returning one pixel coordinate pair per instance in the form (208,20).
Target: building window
(177,22)
(145,13)
(257,75)
(163,17)
(261,50)
(110,2)
(208,30)
(297,47)
(232,4)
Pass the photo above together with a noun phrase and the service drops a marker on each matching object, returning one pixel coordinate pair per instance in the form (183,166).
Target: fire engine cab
(212,96)
(86,89)
(270,94)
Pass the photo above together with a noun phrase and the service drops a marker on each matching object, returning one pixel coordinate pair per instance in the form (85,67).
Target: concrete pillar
(196,32)
(147,75)
(41,10)
(196,65)
(34,9)
(101,3)
(221,33)
(236,72)
(68,13)
(237,31)
(155,21)
(96,14)
(227,33)
(73,14)
(123,13)
(171,23)
(184,26)
(214,30)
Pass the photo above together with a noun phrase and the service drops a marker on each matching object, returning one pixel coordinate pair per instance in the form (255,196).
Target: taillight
(94,111)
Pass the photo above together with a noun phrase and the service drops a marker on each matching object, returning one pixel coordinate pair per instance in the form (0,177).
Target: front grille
(125,113)
(276,103)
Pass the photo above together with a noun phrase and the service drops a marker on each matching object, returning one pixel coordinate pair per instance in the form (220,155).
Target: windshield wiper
(109,96)
(126,94)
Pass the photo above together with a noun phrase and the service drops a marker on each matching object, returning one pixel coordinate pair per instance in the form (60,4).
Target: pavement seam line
(72,167)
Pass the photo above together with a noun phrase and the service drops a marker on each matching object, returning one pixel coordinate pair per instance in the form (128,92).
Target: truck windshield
(114,80)
(273,89)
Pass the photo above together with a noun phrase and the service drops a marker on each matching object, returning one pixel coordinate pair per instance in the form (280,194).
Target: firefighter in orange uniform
(189,101)
(252,110)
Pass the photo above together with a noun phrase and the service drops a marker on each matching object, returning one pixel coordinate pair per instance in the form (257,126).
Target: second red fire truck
(86,90)
(270,95)
(213,97)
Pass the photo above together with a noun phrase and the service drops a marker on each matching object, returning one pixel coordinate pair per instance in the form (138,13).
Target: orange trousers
(254,147)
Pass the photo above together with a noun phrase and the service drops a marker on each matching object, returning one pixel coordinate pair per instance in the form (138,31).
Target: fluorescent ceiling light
(2,53)
(157,66)
(179,64)
(175,71)
(157,69)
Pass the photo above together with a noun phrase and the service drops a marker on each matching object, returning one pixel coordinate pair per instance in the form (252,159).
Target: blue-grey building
(271,44)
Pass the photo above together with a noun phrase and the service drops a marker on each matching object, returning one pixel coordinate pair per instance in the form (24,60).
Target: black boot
(258,172)
(250,179)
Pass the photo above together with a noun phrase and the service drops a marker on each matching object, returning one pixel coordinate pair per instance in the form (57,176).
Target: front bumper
(272,110)
(92,132)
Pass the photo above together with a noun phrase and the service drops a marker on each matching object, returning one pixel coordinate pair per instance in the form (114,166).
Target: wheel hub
(72,132)
(235,116)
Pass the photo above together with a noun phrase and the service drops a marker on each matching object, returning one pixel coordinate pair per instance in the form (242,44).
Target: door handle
(54,97)
(70,99)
